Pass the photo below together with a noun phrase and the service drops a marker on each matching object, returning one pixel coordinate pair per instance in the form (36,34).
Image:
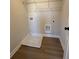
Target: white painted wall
(42,14)
(18,23)
(64,33)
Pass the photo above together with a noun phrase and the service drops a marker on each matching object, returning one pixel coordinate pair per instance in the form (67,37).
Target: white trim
(61,42)
(51,35)
(46,35)
(15,50)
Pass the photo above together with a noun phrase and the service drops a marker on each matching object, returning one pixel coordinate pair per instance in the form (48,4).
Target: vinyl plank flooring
(51,49)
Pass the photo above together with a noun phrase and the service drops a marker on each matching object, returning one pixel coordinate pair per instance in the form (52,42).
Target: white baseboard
(51,35)
(61,43)
(15,50)
(46,35)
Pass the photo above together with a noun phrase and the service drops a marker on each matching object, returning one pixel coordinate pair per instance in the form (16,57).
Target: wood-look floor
(51,49)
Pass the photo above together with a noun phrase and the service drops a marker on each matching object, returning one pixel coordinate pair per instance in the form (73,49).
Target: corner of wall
(61,40)
(15,50)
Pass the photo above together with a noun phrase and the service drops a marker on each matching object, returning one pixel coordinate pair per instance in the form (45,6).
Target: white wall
(42,14)
(18,23)
(65,23)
